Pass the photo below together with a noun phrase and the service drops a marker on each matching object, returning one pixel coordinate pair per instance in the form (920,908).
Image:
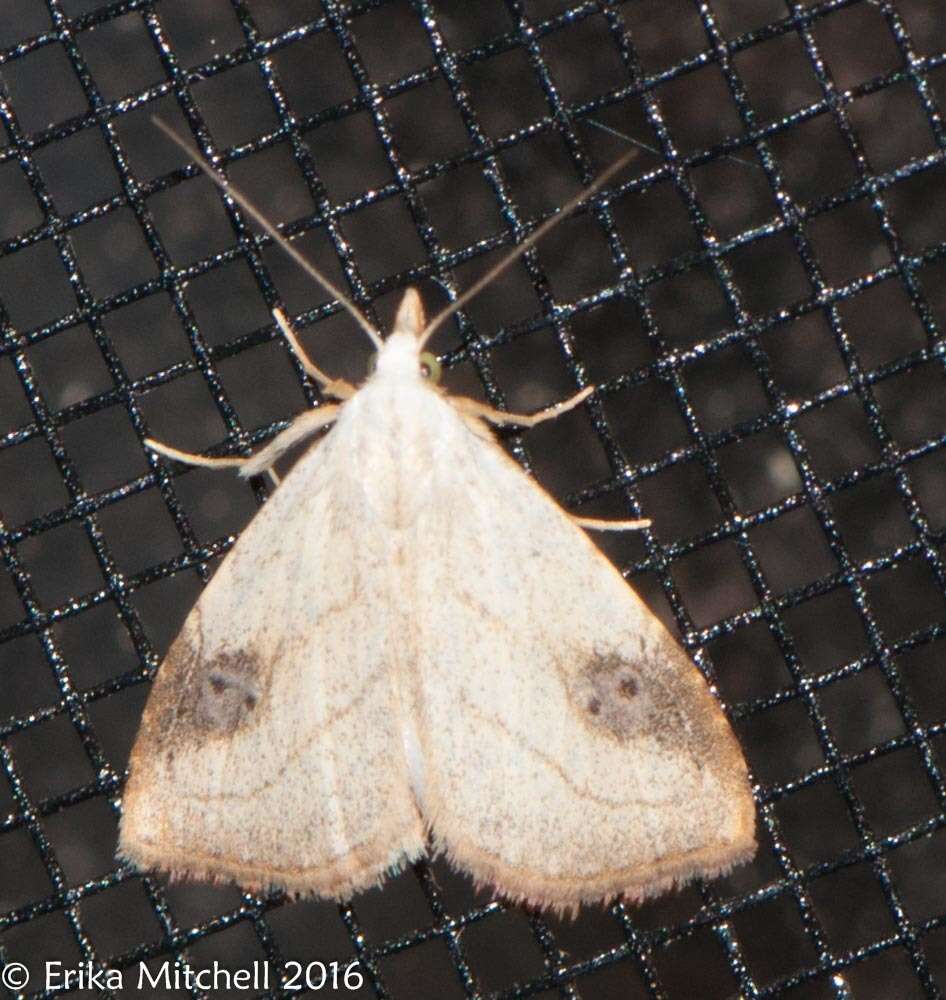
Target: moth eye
(430,367)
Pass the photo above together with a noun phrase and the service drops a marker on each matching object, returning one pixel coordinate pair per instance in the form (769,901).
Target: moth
(413,648)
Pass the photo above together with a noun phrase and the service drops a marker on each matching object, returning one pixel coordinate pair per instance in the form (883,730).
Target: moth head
(410,318)
(401,354)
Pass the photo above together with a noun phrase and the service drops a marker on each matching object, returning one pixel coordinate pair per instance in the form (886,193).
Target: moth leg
(473,407)
(305,424)
(603,524)
(336,387)
(252,465)
(192,458)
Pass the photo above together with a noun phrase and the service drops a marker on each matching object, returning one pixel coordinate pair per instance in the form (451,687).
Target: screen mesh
(757,299)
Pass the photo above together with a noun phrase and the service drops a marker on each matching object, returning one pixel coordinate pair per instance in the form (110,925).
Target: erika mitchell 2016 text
(171,975)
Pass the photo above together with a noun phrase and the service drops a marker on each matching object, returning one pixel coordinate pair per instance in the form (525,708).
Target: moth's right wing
(269,753)
(571,751)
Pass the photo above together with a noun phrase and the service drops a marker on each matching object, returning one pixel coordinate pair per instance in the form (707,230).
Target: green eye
(373,363)
(430,367)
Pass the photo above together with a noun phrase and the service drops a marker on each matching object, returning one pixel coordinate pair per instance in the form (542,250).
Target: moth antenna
(654,149)
(461,300)
(257,216)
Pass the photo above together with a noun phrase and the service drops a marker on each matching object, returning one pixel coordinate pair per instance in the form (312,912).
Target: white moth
(413,647)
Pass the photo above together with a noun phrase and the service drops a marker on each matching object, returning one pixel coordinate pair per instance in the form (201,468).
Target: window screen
(757,298)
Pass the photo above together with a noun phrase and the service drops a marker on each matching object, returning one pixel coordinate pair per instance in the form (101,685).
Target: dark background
(760,304)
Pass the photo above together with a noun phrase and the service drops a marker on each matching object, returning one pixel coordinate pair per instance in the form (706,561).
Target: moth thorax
(399,357)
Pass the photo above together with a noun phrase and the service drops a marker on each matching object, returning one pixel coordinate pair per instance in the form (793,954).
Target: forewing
(572,751)
(265,750)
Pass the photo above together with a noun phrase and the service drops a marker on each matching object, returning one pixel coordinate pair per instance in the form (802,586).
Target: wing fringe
(564,895)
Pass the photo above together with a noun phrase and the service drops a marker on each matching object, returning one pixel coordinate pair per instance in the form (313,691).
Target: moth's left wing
(571,750)
(270,750)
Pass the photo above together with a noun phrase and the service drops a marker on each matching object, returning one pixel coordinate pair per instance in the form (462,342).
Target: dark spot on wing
(627,687)
(228,692)
(656,693)
(609,687)
(196,696)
